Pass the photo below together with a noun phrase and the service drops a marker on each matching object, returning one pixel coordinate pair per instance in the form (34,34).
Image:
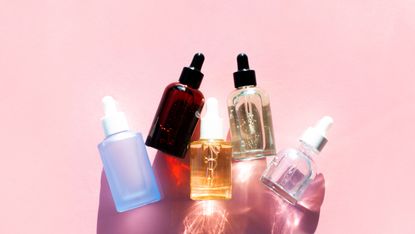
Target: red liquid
(175,120)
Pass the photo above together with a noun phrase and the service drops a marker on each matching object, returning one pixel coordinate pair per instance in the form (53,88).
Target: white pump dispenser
(211,126)
(114,121)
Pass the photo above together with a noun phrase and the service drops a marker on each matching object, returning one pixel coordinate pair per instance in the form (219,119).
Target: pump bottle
(291,171)
(126,164)
(211,159)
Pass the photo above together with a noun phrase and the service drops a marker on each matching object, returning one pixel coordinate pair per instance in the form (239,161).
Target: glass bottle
(178,112)
(250,117)
(126,164)
(292,170)
(211,159)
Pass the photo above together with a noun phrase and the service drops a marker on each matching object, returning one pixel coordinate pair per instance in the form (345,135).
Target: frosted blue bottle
(126,164)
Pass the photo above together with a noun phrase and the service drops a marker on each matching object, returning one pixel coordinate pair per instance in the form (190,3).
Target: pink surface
(252,209)
(352,59)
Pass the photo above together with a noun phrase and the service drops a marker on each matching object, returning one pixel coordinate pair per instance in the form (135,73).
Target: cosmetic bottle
(126,164)
(292,170)
(178,112)
(211,159)
(252,134)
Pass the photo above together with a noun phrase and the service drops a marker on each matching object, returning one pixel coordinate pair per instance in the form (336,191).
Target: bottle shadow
(164,216)
(252,209)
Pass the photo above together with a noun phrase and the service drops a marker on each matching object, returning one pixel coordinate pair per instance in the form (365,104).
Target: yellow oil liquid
(210,170)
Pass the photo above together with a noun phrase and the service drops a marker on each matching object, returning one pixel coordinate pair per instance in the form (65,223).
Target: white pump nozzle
(316,136)
(114,121)
(211,126)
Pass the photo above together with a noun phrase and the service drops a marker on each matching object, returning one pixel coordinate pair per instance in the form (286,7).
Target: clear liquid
(210,170)
(251,124)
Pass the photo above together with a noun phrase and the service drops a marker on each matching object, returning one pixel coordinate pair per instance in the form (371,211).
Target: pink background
(352,59)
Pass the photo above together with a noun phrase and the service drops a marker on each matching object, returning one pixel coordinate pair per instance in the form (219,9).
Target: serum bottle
(126,164)
(211,159)
(292,170)
(178,111)
(249,115)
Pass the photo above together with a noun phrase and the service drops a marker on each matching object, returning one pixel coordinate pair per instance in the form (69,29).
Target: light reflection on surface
(303,217)
(243,171)
(252,209)
(206,217)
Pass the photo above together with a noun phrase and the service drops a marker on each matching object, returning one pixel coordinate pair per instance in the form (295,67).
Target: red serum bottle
(178,112)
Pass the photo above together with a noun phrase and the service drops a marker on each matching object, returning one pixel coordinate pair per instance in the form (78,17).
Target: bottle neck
(115,133)
(308,150)
(246,87)
(211,139)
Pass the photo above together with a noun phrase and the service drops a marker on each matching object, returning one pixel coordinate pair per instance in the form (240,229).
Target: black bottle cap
(244,76)
(191,75)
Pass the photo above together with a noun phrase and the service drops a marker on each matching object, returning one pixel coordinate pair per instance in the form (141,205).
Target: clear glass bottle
(126,164)
(252,134)
(178,112)
(211,159)
(292,170)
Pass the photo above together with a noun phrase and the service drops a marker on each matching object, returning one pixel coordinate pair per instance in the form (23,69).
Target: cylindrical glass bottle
(178,112)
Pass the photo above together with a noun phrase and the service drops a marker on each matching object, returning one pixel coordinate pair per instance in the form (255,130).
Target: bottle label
(211,160)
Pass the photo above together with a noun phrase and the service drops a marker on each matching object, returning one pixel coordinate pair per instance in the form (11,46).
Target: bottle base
(279,191)
(252,155)
(131,206)
(220,193)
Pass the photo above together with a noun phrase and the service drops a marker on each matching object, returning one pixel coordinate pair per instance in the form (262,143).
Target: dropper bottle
(178,111)
(126,164)
(291,171)
(252,133)
(211,159)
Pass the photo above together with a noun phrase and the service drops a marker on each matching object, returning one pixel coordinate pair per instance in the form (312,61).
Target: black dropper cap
(244,76)
(191,75)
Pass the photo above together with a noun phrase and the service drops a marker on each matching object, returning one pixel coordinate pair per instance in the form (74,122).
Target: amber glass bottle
(211,159)
(178,112)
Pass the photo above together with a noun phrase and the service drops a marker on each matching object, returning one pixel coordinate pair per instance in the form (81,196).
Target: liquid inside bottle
(176,119)
(252,133)
(210,170)
(178,112)
(251,124)
(211,159)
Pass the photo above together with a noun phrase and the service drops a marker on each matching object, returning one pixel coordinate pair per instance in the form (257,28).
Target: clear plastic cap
(211,126)
(114,121)
(315,136)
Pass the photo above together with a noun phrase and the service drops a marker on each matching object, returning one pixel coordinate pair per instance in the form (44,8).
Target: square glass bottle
(292,170)
(126,164)
(252,133)
(211,159)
